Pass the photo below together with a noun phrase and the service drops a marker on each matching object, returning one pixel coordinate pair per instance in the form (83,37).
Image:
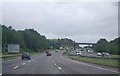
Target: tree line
(28,39)
(112,46)
(63,42)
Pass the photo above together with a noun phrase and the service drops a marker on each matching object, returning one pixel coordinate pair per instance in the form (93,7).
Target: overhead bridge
(80,43)
(86,43)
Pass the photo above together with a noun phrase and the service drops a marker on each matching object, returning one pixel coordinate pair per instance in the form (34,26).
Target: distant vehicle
(99,54)
(78,53)
(56,50)
(25,55)
(46,51)
(89,51)
(105,54)
(61,48)
(48,54)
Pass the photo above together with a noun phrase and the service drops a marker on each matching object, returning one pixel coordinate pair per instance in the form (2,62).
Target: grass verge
(100,61)
(17,55)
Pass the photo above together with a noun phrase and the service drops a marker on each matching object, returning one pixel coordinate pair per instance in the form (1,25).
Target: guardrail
(5,56)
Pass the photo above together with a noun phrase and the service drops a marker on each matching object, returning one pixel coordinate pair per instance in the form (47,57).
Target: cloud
(80,21)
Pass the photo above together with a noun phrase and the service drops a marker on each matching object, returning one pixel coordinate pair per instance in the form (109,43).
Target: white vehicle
(105,54)
(99,54)
(89,51)
(78,53)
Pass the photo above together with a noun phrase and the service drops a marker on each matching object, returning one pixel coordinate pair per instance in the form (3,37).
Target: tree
(101,45)
(27,39)
(112,47)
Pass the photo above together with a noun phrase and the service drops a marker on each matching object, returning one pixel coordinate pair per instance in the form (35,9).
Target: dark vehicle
(56,50)
(46,51)
(25,55)
(48,54)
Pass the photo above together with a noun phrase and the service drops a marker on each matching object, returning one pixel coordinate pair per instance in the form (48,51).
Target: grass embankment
(100,61)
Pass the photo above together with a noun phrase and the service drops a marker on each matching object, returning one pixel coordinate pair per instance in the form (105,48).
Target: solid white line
(90,65)
(15,67)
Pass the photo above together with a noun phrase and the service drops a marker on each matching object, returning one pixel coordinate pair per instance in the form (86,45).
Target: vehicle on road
(48,54)
(25,55)
(105,54)
(56,50)
(78,53)
(46,51)
(99,54)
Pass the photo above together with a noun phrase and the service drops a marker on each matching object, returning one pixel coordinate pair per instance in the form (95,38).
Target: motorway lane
(9,65)
(84,53)
(41,64)
(74,67)
(55,64)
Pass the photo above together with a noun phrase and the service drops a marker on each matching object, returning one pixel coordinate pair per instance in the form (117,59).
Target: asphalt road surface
(55,64)
(84,53)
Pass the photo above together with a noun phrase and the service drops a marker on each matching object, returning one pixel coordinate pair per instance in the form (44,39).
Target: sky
(81,21)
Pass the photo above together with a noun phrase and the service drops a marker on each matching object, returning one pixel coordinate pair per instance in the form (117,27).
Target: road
(55,64)
(84,53)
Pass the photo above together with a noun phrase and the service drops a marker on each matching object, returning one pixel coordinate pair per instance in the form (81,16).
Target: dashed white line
(24,63)
(29,61)
(54,64)
(32,59)
(90,65)
(59,68)
(15,67)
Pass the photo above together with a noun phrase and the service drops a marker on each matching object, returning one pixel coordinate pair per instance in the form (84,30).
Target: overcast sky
(79,21)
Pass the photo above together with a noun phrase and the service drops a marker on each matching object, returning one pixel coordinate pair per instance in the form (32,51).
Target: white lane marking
(29,61)
(15,67)
(24,63)
(59,68)
(0,74)
(9,60)
(32,59)
(54,64)
(90,65)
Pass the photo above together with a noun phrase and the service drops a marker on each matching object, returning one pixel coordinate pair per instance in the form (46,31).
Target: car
(25,55)
(56,50)
(99,54)
(78,53)
(46,51)
(48,54)
(105,54)
(89,51)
